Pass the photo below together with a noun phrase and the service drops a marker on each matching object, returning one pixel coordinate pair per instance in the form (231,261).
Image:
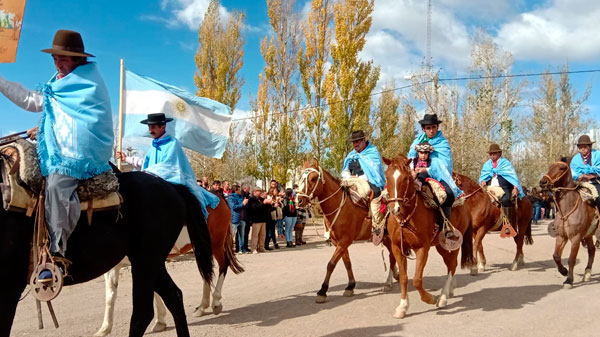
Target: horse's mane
(466,182)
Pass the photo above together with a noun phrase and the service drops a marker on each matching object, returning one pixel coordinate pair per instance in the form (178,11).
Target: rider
(498,171)
(426,166)
(586,165)
(430,125)
(365,162)
(167,160)
(75,134)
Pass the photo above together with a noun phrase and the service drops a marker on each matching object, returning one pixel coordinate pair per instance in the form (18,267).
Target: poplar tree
(349,81)
(312,60)
(387,121)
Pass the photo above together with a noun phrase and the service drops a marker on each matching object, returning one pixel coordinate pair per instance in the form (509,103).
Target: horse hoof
(400,314)
(387,288)
(514,266)
(158,327)
(199,312)
(217,309)
(587,276)
(321,299)
(474,271)
(563,271)
(442,302)
(348,293)
(102,333)
(567,286)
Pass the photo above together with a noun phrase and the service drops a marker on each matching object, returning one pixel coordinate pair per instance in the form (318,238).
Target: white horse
(222,248)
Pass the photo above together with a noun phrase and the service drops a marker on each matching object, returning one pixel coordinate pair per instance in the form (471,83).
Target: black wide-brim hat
(357,135)
(68,43)
(430,119)
(158,118)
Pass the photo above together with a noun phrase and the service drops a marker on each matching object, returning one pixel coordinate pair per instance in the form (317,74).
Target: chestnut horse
(484,217)
(219,228)
(412,226)
(573,221)
(345,221)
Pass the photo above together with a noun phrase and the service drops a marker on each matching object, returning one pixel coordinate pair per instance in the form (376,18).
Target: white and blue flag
(199,123)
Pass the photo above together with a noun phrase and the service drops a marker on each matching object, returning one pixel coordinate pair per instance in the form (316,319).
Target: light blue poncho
(371,164)
(578,167)
(76,134)
(438,171)
(167,160)
(440,145)
(504,169)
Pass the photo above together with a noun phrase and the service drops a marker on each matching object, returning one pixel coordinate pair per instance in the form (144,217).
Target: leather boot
(509,212)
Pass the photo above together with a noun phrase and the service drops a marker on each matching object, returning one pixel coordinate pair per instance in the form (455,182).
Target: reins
(321,178)
(557,192)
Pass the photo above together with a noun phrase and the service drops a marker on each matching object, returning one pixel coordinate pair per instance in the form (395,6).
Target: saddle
(21,182)
(359,191)
(435,195)
(587,191)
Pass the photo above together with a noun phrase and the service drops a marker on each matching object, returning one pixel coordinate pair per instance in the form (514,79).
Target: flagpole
(120,139)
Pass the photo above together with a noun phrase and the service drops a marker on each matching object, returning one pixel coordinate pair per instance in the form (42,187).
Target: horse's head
(311,183)
(400,186)
(558,175)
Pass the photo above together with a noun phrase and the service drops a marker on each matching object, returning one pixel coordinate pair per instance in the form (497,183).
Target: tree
(312,61)
(386,122)
(219,58)
(558,118)
(280,53)
(349,81)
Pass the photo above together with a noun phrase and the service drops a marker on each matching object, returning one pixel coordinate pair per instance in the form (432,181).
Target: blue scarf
(504,169)
(441,149)
(578,167)
(168,161)
(438,171)
(371,164)
(76,134)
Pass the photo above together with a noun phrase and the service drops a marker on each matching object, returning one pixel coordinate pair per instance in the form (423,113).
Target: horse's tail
(466,254)
(230,258)
(528,237)
(198,232)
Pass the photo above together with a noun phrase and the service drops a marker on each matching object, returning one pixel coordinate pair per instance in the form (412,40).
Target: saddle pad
(495,191)
(113,200)
(360,186)
(587,191)
(438,190)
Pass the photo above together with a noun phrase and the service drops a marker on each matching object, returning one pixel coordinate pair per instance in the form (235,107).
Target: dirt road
(276,297)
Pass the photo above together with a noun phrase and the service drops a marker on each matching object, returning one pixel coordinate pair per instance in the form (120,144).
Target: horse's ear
(386,160)
(407,161)
(314,162)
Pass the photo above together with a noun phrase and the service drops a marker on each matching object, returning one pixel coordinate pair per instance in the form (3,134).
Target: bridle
(554,180)
(405,201)
(320,178)
(559,189)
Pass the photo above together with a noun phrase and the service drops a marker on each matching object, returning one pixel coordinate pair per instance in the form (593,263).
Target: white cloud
(566,30)
(190,12)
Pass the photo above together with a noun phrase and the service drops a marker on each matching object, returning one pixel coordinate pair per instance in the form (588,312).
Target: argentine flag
(199,123)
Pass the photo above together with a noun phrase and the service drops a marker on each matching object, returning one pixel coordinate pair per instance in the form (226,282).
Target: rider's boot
(509,212)
(447,211)
(377,220)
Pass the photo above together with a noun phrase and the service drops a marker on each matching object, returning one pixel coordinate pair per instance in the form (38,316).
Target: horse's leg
(349,291)
(217,306)
(559,245)
(160,323)
(479,265)
(339,251)
(111,282)
(219,254)
(422,254)
(200,310)
(482,262)
(393,272)
(144,279)
(450,259)
(402,308)
(519,260)
(568,284)
(173,298)
(591,253)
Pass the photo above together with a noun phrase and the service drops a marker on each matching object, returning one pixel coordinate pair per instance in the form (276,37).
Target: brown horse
(573,220)
(484,217)
(345,221)
(221,240)
(412,226)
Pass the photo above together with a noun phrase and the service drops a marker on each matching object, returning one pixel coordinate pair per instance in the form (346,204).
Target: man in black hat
(585,166)
(365,162)
(157,127)
(430,125)
(75,132)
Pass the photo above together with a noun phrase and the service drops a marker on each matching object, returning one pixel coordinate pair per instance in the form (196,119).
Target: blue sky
(159,39)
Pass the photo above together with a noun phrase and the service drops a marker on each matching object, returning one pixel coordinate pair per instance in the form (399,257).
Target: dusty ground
(276,297)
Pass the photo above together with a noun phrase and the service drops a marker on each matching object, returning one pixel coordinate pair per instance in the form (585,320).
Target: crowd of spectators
(261,217)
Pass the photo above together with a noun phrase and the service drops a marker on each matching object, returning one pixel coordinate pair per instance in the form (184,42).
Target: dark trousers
(506,197)
(271,233)
(246,233)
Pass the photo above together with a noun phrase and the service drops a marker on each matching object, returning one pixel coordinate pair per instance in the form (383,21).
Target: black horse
(151,216)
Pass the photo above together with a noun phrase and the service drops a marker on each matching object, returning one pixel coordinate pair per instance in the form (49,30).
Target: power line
(429,81)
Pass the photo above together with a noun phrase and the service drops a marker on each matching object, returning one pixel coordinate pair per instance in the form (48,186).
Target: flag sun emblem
(180,106)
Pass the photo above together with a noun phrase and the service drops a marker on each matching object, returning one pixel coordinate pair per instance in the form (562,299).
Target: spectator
(260,209)
(289,216)
(216,187)
(237,202)
(537,205)
(276,214)
(204,182)
(246,216)
(227,190)
(303,215)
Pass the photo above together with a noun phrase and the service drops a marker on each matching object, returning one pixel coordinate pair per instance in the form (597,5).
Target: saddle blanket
(360,191)
(21,181)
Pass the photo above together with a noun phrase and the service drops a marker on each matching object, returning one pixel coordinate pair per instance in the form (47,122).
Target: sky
(158,38)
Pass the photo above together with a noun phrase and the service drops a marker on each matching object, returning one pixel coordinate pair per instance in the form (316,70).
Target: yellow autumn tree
(349,81)
(386,122)
(312,59)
